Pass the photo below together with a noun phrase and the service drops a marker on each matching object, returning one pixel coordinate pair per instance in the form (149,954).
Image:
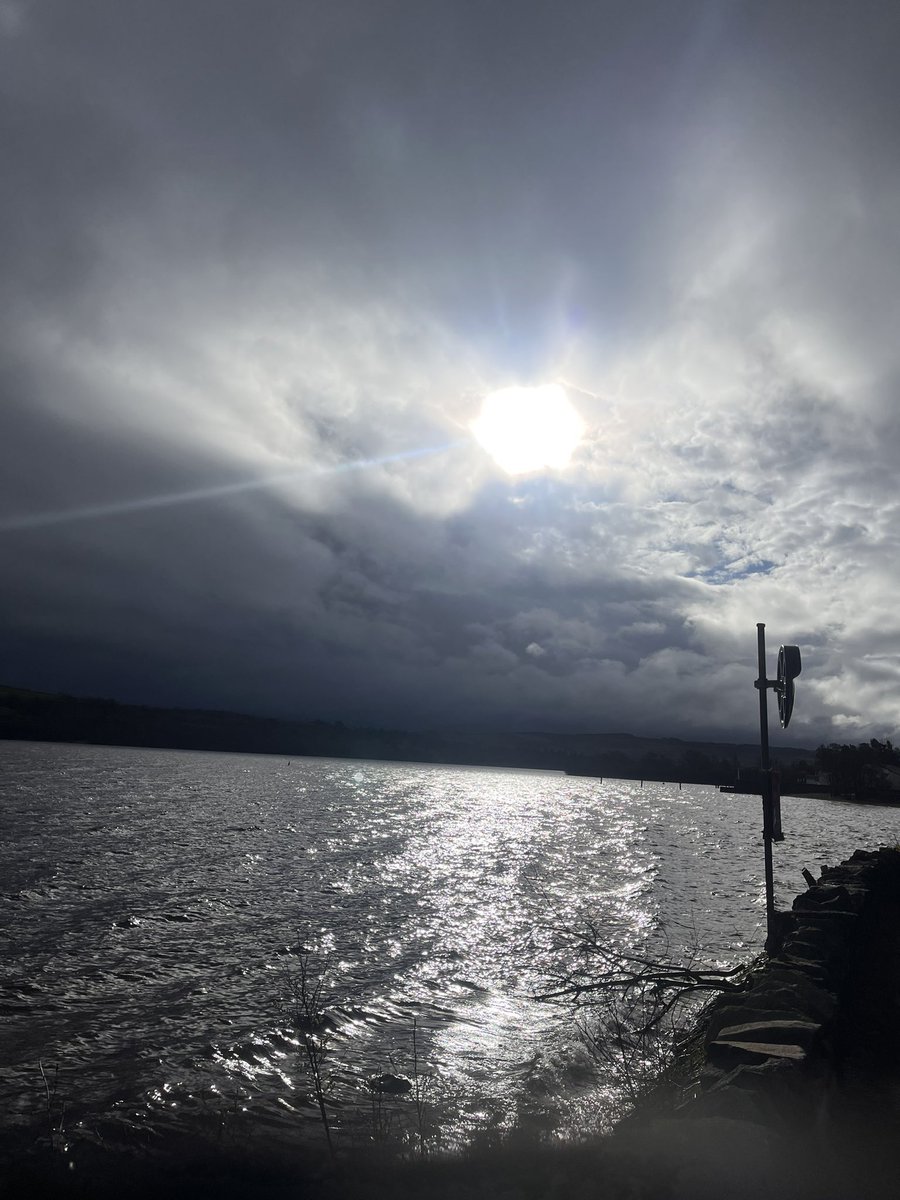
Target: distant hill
(42,716)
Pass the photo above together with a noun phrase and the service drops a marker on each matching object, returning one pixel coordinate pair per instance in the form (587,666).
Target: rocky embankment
(798,1088)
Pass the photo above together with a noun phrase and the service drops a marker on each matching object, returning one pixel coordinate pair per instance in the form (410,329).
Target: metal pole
(762,685)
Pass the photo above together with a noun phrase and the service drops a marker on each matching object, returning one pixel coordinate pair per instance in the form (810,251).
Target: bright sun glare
(528,428)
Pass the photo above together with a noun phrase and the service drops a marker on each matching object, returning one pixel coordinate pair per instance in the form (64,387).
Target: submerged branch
(606,970)
(652,976)
(635,1008)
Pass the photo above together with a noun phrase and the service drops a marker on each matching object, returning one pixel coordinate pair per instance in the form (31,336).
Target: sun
(528,428)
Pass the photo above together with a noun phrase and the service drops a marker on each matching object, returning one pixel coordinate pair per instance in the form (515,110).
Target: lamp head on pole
(789,668)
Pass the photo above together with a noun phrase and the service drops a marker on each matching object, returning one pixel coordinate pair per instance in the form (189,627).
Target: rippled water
(153,903)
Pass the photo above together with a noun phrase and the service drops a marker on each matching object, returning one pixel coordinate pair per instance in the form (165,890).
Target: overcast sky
(261,262)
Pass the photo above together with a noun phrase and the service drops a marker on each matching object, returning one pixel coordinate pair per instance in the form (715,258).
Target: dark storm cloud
(247,246)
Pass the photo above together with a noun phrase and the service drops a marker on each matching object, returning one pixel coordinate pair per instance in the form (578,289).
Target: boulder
(787,988)
(799,1033)
(731,1053)
(741,1014)
(828,897)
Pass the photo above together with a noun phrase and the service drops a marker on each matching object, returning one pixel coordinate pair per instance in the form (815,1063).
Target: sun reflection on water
(153,937)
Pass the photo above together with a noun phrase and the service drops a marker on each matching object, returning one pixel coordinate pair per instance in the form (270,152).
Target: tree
(305,988)
(634,1009)
(855,771)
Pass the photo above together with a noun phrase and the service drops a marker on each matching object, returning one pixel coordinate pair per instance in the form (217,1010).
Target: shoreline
(778,1091)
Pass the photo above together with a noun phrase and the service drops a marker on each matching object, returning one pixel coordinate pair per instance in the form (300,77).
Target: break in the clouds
(263,262)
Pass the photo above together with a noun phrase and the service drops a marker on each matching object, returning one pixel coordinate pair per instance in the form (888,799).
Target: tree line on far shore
(853,772)
(860,772)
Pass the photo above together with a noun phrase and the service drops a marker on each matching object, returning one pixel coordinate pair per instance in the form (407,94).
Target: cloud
(248,251)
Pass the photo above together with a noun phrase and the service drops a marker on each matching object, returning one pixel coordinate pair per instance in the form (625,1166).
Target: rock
(824,897)
(726,1052)
(756,1076)
(791,996)
(780,1093)
(815,970)
(798,1033)
(742,1014)
(786,988)
(389,1085)
(816,926)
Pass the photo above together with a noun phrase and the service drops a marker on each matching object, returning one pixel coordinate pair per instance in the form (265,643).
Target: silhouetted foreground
(670,1158)
(42,717)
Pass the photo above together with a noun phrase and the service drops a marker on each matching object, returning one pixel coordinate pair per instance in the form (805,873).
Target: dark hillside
(41,716)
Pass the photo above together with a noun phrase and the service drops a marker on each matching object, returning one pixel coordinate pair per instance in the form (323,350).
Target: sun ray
(169,499)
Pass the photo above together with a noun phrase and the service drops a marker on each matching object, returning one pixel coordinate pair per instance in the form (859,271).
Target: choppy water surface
(153,903)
